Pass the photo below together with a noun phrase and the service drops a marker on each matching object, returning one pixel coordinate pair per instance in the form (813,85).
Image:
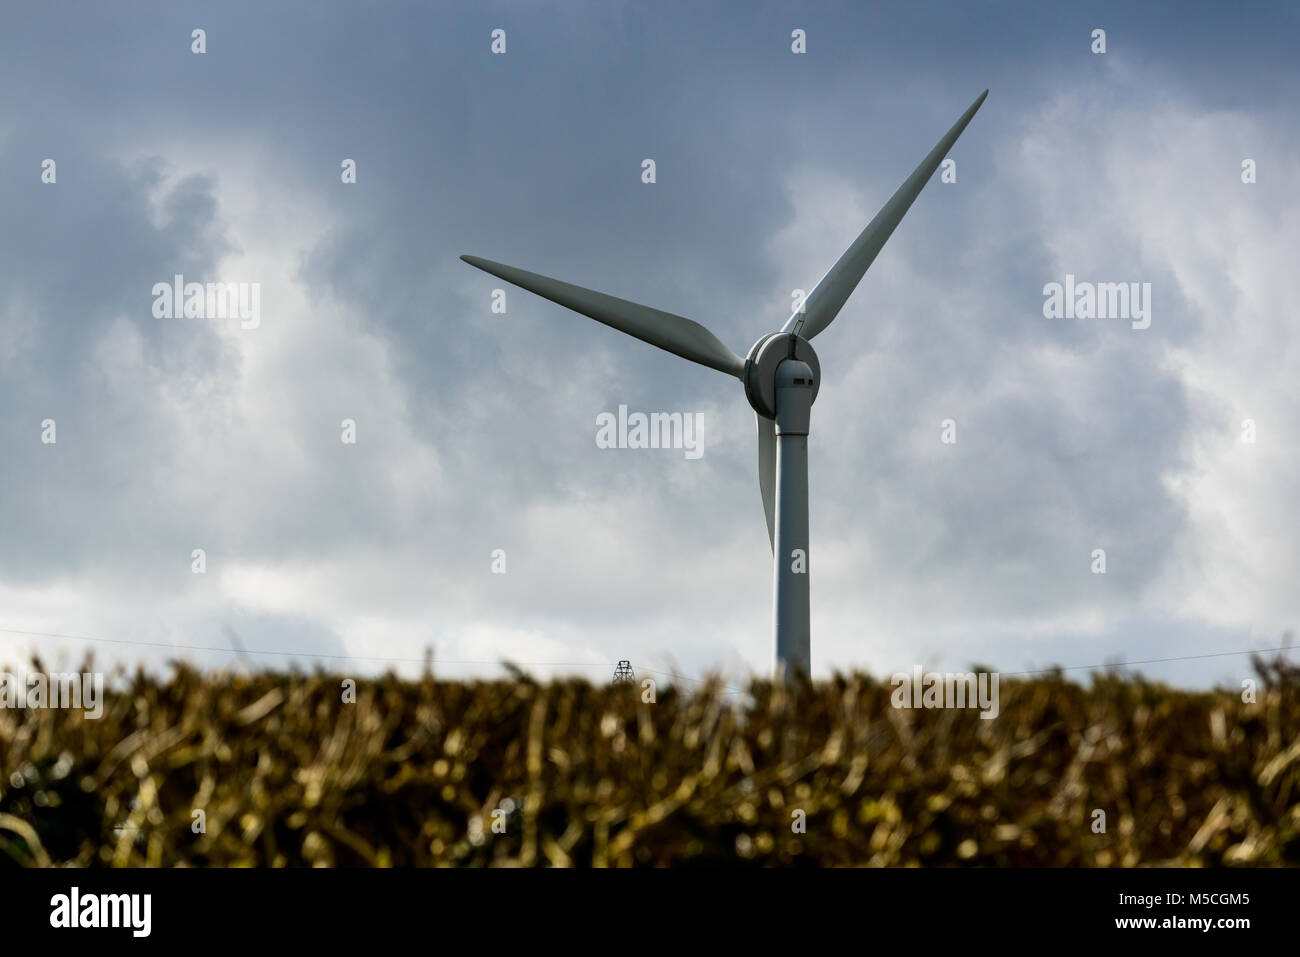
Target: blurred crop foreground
(277,769)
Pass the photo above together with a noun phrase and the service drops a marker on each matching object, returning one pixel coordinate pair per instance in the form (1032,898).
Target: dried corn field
(519,773)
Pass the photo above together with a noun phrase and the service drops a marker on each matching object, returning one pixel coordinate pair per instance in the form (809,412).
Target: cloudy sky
(476,431)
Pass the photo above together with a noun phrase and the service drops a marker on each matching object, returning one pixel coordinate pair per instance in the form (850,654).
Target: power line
(1147,661)
(310,654)
(580,664)
(293,654)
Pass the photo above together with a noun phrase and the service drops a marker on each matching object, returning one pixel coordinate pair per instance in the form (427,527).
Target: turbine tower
(781,376)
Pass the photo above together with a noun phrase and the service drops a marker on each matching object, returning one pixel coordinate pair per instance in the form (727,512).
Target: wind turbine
(781,375)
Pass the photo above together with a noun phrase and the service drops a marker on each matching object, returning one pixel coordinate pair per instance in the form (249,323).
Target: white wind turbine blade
(676,334)
(825,301)
(767,472)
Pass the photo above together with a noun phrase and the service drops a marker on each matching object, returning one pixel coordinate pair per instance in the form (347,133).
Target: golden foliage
(286,774)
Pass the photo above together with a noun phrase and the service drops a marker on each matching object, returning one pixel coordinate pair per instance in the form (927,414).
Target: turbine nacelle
(765,357)
(795,391)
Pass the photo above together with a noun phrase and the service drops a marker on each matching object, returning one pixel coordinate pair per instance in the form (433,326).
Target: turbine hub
(761,365)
